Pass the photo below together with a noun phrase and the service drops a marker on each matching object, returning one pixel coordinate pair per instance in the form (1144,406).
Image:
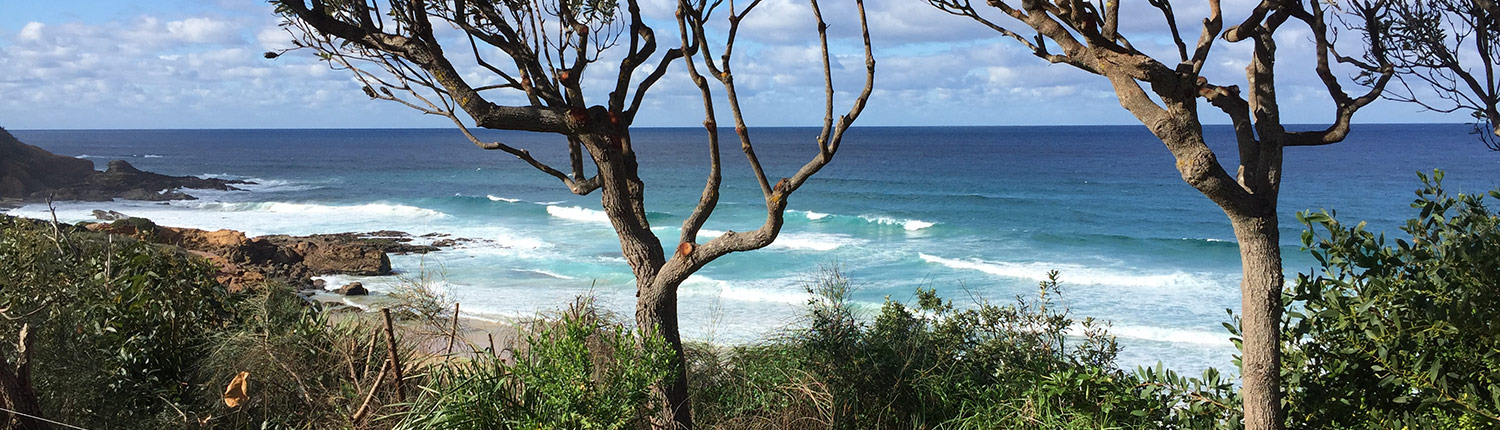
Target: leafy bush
(117,323)
(578,371)
(1398,336)
(1023,365)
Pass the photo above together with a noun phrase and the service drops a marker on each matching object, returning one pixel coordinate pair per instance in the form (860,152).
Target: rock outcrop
(354,289)
(29,173)
(244,261)
(26,169)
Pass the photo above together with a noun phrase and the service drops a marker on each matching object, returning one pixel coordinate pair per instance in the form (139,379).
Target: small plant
(579,370)
(422,298)
(305,370)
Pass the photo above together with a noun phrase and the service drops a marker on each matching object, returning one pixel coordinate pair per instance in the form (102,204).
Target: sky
(109,64)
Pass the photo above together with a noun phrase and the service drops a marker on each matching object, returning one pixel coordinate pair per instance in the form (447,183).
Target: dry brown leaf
(238,390)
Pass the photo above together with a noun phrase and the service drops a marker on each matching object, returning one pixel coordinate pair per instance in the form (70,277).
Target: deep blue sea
(971,211)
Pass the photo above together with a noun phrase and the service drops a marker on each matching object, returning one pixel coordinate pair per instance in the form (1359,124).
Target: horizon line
(688,127)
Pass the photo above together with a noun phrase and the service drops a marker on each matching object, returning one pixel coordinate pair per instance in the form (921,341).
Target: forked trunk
(656,312)
(1260,303)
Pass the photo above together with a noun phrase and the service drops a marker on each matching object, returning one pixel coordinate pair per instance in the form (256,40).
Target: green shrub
(1398,336)
(578,371)
(117,324)
(1023,365)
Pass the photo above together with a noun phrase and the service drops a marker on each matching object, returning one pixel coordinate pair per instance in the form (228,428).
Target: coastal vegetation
(131,324)
(1385,334)
(541,51)
(1163,92)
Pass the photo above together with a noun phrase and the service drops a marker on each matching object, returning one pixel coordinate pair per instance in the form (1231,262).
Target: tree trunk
(656,312)
(16,392)
(622,197)
(1260,306)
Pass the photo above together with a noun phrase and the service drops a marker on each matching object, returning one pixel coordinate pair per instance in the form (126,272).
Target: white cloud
(206,70)
(32,31)
(202,30)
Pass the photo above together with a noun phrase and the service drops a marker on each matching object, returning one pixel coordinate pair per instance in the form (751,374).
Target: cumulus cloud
(206,70)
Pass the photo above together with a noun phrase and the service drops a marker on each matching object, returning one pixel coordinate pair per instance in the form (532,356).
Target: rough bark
(656,312)
(16,392)
(1260,304)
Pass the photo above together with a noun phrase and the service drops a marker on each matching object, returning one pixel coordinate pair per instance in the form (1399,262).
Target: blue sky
(198,64)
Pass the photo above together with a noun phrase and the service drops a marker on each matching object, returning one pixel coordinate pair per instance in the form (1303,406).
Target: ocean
(974,212)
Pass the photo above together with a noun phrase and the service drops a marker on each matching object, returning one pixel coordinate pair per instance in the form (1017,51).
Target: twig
(390,339)
(453,334)
(364,407)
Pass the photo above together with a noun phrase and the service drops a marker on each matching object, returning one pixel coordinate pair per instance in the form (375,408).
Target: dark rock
(121,167)
(343,253)
(388,234)
(30,173)
(319,284)
(109,215)
(444,243)
(26,170)
(353,289)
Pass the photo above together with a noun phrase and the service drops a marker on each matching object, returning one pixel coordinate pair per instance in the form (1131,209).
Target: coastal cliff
(29,174)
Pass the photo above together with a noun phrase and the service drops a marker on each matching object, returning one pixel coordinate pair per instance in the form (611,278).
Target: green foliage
(1022,365)
(580,371)
(1398,336)
(116,324)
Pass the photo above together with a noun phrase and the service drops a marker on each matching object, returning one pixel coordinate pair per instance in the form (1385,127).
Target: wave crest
(576,213)
(495,198)
(907,224)
(1072,273)
(377,209)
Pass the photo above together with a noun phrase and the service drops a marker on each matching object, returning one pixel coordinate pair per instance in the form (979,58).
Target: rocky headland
(32,174)
(245,261)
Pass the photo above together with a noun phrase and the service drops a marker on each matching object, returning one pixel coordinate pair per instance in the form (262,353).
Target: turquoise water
(973,212)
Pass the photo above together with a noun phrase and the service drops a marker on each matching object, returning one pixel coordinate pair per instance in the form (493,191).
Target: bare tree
(395,48)
(1450,48)
(1087,36)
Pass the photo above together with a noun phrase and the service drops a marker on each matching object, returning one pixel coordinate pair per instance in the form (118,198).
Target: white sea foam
(812,216)
(798,241)
(260,185)
(367,209)
(545,273)
(1173,335)
(814,241)
(1071,273)
(150,156)
(575,213)
(495,198)
(519,242)
(703,285)
(908,224)
(226,176)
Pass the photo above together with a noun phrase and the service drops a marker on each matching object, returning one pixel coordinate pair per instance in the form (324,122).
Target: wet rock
(353,289)
(108,215)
